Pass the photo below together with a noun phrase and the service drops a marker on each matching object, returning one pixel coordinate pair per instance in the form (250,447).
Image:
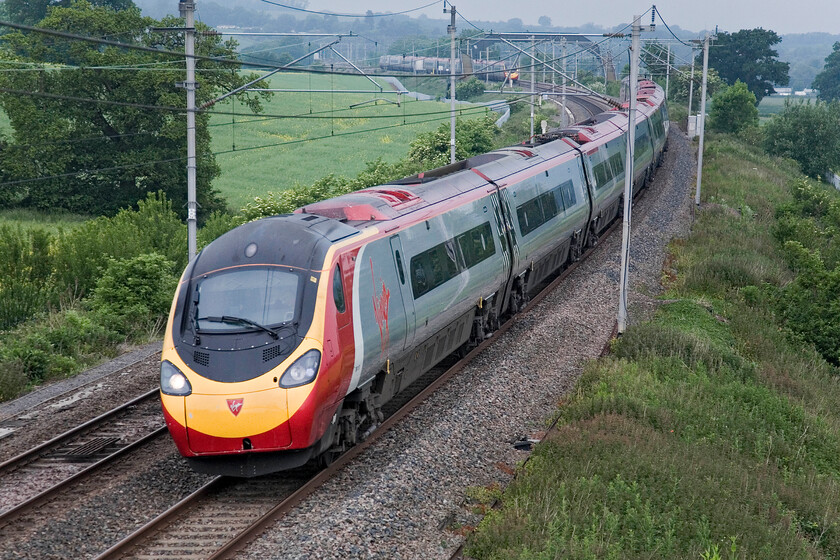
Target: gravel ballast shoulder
(405,496)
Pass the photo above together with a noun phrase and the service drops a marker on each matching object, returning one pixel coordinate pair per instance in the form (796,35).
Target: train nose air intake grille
(201,358)
(271,353)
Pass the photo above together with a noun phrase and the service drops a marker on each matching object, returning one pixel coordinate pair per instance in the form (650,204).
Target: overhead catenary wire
(173,109)
(222,60)
(659,13)
(316,12)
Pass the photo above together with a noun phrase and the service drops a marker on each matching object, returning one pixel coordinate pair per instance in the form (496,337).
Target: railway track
(191,528)
(586,107)
(44,472)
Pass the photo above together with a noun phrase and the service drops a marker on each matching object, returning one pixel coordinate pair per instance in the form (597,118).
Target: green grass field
(770,106)
(259,154)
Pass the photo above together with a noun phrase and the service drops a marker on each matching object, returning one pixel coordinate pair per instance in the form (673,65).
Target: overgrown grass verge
(714,430)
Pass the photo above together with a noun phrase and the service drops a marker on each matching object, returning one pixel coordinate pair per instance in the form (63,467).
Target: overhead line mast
(187,11)
(451,30)
(628,167)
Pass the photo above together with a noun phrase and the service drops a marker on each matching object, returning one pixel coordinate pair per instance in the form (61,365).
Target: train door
(508,241)
(503,242)
(401,265)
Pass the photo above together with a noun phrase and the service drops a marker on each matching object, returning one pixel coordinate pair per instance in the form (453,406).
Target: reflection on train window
(476,244)
(568,191)
(338,290)
(643,148)
(433,267)
(602,174)
(617,164)
(656,124)
(264,295)
(540,209)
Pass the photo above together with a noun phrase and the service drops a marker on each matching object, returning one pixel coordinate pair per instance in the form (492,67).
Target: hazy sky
(799,16)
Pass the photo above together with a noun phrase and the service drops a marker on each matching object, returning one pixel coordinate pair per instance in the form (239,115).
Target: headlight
(303,371)
(172,381)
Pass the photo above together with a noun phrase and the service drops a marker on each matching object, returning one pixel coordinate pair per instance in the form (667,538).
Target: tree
(733,109)
(828,80)
(747,55)
(809,134)
(681,84)
(30,12)
(544,21)
(467,89)
(99,126)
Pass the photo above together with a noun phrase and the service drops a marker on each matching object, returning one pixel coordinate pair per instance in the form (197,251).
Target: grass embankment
(709,432)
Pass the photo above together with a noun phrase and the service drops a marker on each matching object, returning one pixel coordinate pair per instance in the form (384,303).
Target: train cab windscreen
(246,299)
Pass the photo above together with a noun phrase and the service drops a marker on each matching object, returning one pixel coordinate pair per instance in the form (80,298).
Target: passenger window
(568,191)
(338,290)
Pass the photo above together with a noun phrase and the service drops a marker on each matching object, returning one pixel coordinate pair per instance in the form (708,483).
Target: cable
(173,109)
(349,15)
(468,21)
(659,13)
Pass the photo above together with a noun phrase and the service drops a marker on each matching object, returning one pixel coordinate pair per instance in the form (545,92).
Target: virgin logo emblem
(235,405)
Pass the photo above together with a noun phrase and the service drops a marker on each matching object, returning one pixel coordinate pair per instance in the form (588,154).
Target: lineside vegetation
(712,431)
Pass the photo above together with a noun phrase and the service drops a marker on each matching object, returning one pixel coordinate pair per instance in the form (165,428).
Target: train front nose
(237,422)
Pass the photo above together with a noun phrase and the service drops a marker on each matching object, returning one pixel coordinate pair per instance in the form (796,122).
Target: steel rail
(120,548)
(33,453)
(45,496)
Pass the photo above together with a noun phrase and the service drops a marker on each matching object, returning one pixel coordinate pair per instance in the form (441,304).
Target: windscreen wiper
(240,321)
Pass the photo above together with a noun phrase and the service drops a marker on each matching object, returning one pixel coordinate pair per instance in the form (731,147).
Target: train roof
(410,194)
(405,196)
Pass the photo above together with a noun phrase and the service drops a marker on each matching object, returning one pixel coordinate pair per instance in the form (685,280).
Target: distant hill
(806,54)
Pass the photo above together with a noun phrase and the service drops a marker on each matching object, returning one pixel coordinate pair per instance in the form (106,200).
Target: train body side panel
(547,210)
(379,317)
(467,239)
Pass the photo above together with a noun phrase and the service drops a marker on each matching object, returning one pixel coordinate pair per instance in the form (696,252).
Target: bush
(810,305)
(60,346)
(83,253)
(469,89)
(733,109)
(807,133)
(472,137)
(133,296)
(375,172)
(25,287)
(13,379)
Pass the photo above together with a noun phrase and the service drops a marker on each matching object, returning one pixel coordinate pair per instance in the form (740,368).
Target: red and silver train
(288,334)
